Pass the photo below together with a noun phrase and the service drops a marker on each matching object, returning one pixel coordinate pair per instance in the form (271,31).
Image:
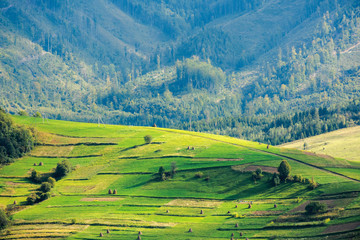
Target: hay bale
(236,225)
(232,234)
(139,238)
(192,148)
(154,125)
(107,231)
(188,148)
(250,206)
(140,233)
(236,206)
(241,234)
(190,230)
(35,164)
(101,235)
(228,212)
(167,211)
(15,202)
(114,192)
(109,191)
(201,212)
(41,164)
(275,205)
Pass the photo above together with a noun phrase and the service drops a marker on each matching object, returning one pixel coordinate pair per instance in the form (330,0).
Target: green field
(343,143)
(214,206)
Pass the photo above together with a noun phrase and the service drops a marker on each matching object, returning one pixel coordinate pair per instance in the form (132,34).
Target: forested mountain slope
(175,62)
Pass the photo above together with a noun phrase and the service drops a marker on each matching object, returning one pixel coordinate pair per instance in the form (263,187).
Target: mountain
(178,185)
(174,62)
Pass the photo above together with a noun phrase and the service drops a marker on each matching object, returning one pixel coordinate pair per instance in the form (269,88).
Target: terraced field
(207,198)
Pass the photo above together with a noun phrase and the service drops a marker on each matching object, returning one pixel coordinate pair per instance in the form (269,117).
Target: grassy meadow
(343,143)
(209,194)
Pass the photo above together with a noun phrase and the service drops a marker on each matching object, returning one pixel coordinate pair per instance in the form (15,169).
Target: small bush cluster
(315,207)
(257,175)
(163,175)
(199,174)
(43,193)
(62,169)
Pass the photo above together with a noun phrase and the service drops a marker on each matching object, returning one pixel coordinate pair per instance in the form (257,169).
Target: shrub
(73,221)
(257,175)
(44,196)
(275,179)
(34,176)
(315,207)
(52,181)
(45,187)
(161,172)
(199,175)
(313,184)
(298,178)
(62,169)
(284,170)
(4,221)
(148,139)
(32,199)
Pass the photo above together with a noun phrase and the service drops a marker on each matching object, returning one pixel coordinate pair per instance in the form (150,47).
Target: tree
(45,187)
(4,221)
(52,181)
(161,173)
(315,207)
(284,170)
(62,169)
(34,176)
(148,139)
(276,179)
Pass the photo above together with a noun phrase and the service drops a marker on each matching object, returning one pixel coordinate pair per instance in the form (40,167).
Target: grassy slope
(141,202)
(342,143)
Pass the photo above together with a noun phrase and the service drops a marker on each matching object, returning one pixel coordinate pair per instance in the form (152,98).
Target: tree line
(15,140)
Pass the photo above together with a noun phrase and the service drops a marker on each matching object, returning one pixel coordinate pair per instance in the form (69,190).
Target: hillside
(209,190)
(342,143)
(140,62)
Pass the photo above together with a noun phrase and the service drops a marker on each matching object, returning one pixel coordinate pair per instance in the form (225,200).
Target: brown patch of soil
(100,199)
(342,227)
(252,168)
(330,203)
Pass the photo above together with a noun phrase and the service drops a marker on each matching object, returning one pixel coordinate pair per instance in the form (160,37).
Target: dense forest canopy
(15,140)
(175,62)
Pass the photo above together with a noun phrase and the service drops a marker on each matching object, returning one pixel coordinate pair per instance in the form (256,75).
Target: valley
(211,194)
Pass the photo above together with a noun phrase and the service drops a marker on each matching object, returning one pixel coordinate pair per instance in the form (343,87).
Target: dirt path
(270,153)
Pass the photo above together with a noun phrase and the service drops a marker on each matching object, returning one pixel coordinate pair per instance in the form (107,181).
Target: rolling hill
(209,191)
(341,144)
